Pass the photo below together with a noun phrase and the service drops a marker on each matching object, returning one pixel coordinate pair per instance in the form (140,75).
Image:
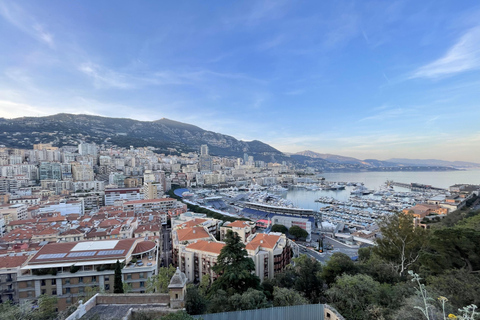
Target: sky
(367,79)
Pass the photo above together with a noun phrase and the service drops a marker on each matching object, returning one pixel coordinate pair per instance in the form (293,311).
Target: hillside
(164,134)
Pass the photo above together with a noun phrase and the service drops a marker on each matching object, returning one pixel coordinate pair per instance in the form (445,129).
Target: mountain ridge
(164,134)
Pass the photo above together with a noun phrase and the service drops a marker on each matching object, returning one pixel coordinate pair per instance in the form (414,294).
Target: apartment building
(127,194)
(195,252)
(13,212)
(165,204)
(66,270)
(271,253)
(9,270)
(243,228)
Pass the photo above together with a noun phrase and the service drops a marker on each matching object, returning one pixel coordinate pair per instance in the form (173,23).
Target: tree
(452,248)
(354,295)
(218,302)
(251,299)
(298,232)
(307,280)
(283,297)
(279,228)
(127,287)
(401,244)
(195,302)
(47,307)
(462,287)
(338,264)
(179,315)
(234,267)
(204,284)
(118,284)
(159,283)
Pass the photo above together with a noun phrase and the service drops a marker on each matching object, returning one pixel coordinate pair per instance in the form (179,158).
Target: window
(176,295)
(142,284)
(107,278)
(141,275)
(42,283)
(29,294)
(81,290)
(44,291)
(67,281)
(69,300)
(129,276)
(67,290)
(94,278)
(29,284)
(107,287)
(54,282)
(80,279)
(54,292)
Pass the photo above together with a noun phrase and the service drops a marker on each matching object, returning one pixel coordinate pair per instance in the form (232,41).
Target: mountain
(164,134)
(435,162)
(331,162)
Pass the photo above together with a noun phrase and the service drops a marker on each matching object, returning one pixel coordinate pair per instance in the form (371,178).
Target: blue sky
(369,79)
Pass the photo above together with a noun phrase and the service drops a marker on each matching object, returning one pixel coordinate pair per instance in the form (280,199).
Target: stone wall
(132,298)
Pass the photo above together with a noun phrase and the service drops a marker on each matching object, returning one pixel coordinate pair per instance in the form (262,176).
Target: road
(323,257)
(166,250)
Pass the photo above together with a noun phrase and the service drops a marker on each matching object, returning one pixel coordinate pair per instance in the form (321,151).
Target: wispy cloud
(462,56)
(16,16)
(104,77)
(385,114)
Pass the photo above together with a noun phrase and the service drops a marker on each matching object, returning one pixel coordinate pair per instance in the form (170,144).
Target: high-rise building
(87,148)
(204,150)
(50,171)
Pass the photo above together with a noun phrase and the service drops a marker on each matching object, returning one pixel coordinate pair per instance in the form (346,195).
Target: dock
(415,186)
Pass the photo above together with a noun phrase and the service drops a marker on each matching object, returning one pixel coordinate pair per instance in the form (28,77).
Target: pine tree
(234,267)
(118,284)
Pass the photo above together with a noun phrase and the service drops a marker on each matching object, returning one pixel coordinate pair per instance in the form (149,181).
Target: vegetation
(297,232)
(234,267)
(159,283)
(279,228)
(118,283)
(45,308)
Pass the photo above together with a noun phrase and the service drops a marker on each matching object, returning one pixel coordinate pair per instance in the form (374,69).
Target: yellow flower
(452,316)
(441,298)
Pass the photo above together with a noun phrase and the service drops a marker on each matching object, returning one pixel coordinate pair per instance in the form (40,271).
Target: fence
(302,312)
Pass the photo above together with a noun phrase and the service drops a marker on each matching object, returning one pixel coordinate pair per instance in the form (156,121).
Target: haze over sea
(373,180)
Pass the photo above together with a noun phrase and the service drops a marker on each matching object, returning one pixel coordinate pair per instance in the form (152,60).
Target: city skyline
(361,79)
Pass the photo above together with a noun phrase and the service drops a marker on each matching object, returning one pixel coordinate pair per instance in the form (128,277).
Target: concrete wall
(83,308)
(331,314)
(130,298)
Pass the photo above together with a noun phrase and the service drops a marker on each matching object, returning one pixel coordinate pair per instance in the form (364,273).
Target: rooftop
(207,246)
(72,252)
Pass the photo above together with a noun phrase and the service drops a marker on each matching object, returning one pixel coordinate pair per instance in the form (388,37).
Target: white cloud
(104,77)
(26,23)
(462,56)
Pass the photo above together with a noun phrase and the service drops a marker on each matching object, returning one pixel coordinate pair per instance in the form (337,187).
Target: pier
(415,186)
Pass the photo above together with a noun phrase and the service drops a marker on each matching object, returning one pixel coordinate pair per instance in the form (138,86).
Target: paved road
(166,252)
(323,257)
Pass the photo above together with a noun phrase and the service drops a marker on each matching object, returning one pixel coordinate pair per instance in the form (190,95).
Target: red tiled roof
(143,247)
(12,262)
(262,240)
(192,234)
(207,246)
(238,224)
(193,223)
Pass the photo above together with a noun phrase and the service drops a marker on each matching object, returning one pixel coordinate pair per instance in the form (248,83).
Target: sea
(304,198)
